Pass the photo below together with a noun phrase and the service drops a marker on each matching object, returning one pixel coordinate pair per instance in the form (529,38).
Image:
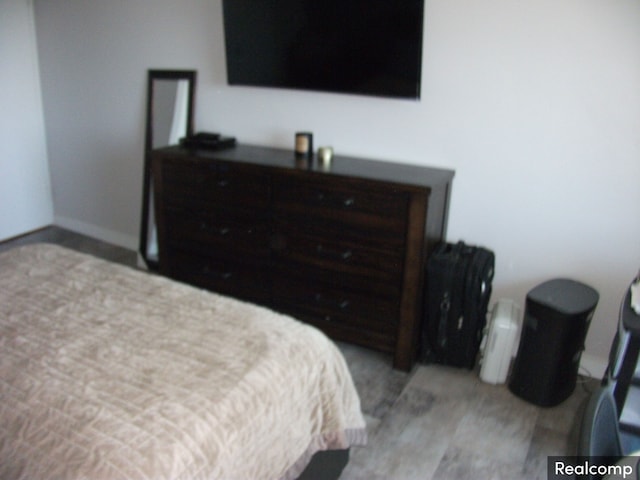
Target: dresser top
(341,165)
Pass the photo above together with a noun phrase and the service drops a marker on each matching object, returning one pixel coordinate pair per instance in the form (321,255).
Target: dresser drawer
(229,233)
(214,183)
(364,336)
(330,304)
(243,280)
(342,227)
(340,239)
(357,202)
(374,271)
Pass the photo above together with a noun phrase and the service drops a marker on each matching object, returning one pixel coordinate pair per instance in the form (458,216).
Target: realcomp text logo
(588,467)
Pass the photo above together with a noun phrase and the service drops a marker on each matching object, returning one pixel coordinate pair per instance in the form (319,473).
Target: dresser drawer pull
(216,273)
(222,183)
(340,304)
(347,202)
(209,228)
(341,255)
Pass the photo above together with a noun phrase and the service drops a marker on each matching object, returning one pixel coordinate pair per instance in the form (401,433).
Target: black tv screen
(368,47)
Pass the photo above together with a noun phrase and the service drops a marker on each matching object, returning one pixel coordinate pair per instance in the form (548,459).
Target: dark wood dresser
(340,247)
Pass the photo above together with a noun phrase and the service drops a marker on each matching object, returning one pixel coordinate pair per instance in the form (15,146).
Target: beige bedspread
(107,373)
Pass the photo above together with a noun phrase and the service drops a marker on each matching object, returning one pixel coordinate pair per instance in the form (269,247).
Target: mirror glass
(170,111)
(169,118)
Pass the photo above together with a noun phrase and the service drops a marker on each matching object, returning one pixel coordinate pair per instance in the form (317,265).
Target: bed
(108,372)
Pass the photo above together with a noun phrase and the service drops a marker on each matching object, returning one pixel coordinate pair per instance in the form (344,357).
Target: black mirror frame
(153,75)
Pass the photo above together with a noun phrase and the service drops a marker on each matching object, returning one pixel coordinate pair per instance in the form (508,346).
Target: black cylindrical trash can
(556,321)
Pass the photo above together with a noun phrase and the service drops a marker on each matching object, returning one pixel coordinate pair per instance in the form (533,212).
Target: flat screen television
(367,47)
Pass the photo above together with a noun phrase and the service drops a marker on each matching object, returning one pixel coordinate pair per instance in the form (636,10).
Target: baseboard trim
(592,366)
(99,233)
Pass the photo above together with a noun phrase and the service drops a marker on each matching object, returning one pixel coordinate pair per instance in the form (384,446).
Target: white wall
(536,105)
(25,190)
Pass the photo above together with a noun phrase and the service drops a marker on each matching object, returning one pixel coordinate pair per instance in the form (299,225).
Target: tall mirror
(170,99)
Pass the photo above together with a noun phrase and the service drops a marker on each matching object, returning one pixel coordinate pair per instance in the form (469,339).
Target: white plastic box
(500,343)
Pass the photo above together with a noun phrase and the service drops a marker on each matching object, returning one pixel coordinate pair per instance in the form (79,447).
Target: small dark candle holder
(304,145)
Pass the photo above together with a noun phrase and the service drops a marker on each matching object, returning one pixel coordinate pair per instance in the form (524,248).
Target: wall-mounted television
(367,47)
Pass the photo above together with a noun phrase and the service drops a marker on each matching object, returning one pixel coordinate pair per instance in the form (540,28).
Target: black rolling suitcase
(458,287)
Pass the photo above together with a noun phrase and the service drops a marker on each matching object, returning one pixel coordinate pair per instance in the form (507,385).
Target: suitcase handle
(445,306)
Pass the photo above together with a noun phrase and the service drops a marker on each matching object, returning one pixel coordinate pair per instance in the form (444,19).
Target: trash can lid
(565,295)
